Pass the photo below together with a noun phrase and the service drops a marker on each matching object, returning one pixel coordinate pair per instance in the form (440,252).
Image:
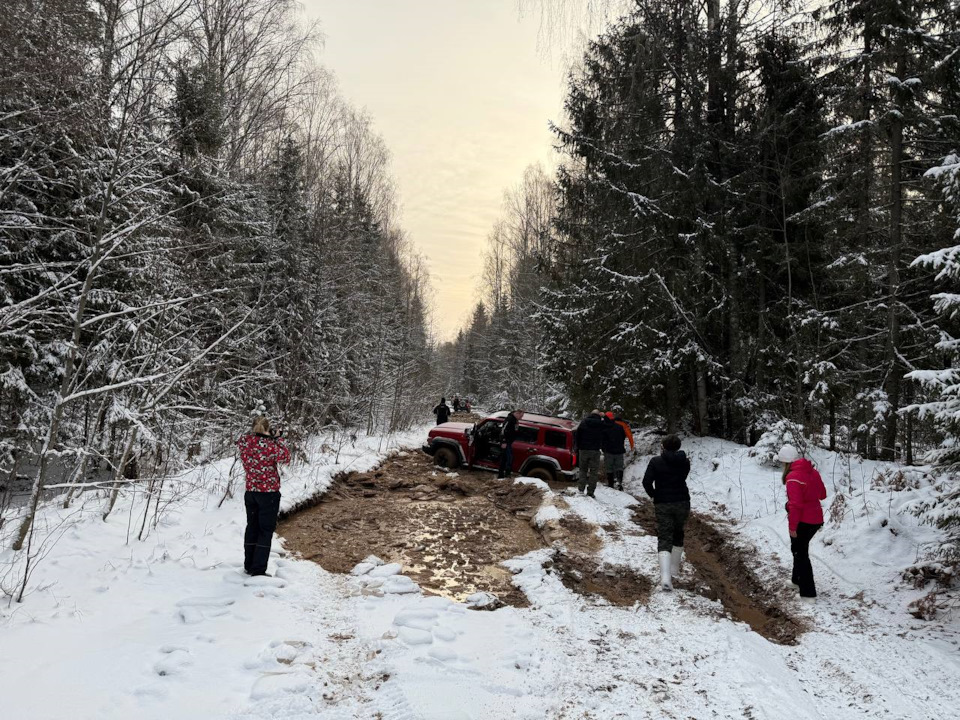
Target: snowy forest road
(583,634)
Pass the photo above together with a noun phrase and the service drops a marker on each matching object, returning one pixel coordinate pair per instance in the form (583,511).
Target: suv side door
(485,450)
(527,444)
(558,444)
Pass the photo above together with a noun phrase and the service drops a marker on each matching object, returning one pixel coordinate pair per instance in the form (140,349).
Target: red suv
(543,448)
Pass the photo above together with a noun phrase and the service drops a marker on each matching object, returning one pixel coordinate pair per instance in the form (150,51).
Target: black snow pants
(802,569)
(262,510)
(506,461)
(671,519)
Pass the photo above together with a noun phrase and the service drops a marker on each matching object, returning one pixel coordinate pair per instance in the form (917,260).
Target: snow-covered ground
(171,628)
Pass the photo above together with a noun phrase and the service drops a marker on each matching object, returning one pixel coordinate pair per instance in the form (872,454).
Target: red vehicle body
(543,448)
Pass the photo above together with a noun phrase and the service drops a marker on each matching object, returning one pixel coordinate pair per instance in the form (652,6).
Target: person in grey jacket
(666,482)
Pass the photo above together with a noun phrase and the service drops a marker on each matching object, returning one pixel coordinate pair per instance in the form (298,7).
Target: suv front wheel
(446,458)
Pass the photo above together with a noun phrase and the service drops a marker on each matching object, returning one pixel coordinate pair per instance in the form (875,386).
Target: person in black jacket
(588,442)
(442,411)
(666,482)
(507,436)
(614,439)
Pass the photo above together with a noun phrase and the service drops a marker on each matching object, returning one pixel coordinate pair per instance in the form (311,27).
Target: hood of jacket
(674,457)
(593,420)
(802,467)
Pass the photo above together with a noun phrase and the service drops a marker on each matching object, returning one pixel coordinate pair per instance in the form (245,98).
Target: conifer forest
(194,224)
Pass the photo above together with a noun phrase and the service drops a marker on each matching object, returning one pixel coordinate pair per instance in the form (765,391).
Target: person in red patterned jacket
(261,451)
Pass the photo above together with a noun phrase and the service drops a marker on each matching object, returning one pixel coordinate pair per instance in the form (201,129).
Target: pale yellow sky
(462,95)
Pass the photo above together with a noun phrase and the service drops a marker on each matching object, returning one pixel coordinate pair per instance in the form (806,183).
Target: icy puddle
(449,531)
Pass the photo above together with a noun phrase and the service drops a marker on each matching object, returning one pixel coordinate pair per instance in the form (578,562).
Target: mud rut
(451,531)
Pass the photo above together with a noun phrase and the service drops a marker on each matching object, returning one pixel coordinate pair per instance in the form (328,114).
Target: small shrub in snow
(895,480)
(921,574)
(781,433)
(838,509)
(942,597)
(929,606)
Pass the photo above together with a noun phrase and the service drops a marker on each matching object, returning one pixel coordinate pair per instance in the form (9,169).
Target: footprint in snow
(198,609)
(175,661)
(298,681)
(264,581)
(282,654)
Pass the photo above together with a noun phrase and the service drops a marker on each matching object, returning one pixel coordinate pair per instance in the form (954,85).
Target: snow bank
(116,628)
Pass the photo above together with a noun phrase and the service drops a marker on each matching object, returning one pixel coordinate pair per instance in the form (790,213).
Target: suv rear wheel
(541,473)
(445,457)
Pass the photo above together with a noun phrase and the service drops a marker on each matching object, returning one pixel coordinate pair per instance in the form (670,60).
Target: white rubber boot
(665,582)
(675,557)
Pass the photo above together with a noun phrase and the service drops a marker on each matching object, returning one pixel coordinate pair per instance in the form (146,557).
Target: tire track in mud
(724,571)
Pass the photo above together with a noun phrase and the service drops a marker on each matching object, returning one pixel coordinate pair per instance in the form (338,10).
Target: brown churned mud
(452,530)
(724,572)
(617,585)
(449,530)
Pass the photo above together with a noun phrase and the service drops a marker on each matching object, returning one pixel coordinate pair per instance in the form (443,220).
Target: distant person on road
(442,411)
(666,482)
(261,451)
(456,403)
(507,437)
(614,448)
(805,490)
(588,442)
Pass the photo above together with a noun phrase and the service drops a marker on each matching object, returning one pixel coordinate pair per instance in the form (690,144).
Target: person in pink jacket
(805,490)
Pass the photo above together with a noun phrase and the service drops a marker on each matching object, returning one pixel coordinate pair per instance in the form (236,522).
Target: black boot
(610,478)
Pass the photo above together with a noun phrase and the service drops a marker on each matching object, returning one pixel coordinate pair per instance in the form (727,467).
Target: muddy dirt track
(723,572)
(451,530)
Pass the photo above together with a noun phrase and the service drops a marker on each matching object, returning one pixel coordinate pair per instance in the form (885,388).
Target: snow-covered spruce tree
(782,254)
(648,306)
(882,89)
(599,310)
(45,92)
(944,383)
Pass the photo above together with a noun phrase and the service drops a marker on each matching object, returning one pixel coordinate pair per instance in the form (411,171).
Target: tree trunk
(893,367)
(833,421)
(703,425)
(673,403)
(118,472)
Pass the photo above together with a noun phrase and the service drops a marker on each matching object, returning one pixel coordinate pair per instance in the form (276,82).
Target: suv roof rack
(540,419)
